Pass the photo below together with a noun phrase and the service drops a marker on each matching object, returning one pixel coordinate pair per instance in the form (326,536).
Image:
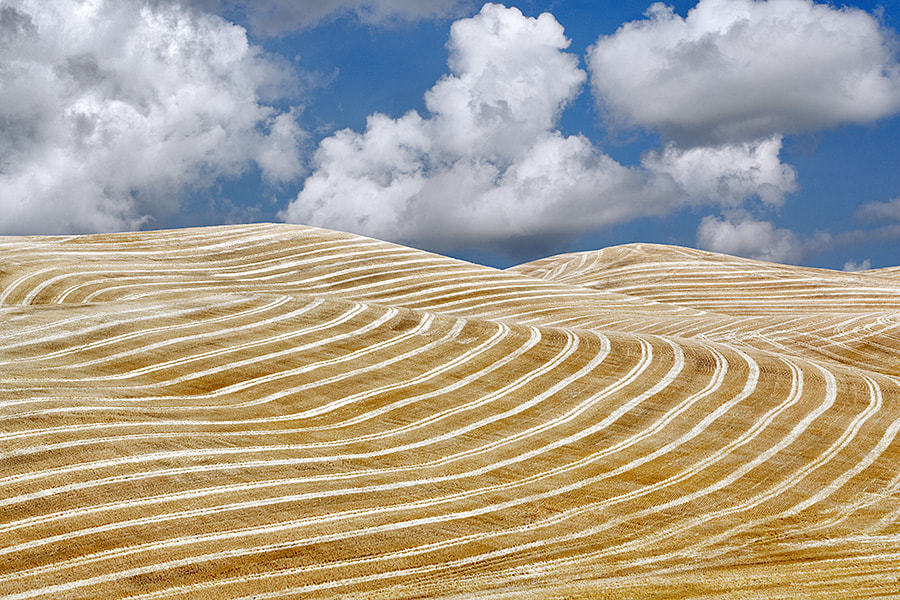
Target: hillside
(278,411)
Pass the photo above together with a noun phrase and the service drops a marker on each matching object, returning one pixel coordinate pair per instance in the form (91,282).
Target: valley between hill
(279,411)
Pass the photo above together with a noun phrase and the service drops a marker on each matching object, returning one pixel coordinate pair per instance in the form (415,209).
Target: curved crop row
(285,412)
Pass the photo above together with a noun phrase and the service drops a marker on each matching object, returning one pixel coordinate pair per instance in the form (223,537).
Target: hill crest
(286,412)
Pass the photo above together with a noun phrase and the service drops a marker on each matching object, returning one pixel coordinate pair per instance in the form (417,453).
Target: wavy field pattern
(274,411)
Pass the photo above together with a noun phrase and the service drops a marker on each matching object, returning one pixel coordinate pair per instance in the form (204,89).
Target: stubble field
(276,411)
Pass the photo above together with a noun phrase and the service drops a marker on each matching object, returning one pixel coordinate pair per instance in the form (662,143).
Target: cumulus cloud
(488,166)
(742,234)
(276,17)
(727,174)
(880,211)
(853,267)
(746,69)
(747,237)
(110,110)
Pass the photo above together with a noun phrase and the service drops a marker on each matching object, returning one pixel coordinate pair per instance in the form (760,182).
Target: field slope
(277,411)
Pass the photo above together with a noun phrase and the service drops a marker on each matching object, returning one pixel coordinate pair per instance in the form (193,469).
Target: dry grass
(276,411)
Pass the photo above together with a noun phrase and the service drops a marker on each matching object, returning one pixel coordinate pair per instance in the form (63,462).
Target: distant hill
(279,411)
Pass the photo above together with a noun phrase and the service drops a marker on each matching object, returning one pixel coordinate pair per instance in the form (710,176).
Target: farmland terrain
(279,411)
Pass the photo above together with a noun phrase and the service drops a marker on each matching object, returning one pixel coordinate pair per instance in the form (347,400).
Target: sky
(497,133)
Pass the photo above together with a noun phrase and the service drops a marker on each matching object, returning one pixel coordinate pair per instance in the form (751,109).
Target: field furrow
(275,411)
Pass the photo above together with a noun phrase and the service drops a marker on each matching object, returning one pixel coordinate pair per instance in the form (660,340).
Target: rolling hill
(279,411)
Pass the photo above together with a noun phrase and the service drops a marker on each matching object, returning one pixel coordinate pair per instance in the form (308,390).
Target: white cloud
(750,238)
(880,211)
(488,166)
(110,110)
(729,173)
(852,267)
(278,155)
(275,17)
(746,69)
(510,82)
(741,234)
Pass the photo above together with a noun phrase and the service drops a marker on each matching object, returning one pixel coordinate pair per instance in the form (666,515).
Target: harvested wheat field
(277,411)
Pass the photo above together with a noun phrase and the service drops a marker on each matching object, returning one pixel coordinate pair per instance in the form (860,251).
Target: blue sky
(497,133)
